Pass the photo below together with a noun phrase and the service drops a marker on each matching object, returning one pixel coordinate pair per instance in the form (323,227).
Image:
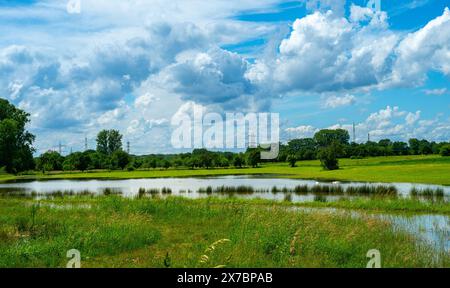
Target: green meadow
(415,169)
(111,231)
(149,231)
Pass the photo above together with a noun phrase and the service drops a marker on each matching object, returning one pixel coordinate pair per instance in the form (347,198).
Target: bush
(328,158)
(445,150)
(292,159)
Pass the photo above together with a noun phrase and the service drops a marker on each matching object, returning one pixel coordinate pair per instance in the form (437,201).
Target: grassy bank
(415,169)
(117,232)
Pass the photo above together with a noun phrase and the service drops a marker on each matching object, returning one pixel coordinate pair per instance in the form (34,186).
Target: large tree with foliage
(238,160)
(109,141)
(445,150)
(16,152)
(302,149)
(120,159)
(253,156)
(50,161)
(328,156)
(327,137)
(77,161)
(331,145)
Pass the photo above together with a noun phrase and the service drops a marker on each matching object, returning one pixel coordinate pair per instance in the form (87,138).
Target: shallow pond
(430,228)
(434,229)
(189,187)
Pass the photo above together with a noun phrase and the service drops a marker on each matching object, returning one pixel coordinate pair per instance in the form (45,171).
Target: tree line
(109,155)
(326,145)
(16,151)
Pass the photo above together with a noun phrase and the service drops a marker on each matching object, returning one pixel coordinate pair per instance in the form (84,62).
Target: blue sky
(132,65)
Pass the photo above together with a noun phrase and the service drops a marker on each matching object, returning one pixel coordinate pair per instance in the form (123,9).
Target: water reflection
(182,186)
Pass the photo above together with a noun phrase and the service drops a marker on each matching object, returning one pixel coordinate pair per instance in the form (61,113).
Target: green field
(415,169)
(111,231)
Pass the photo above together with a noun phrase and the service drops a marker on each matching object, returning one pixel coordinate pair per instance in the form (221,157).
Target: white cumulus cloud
(339,101)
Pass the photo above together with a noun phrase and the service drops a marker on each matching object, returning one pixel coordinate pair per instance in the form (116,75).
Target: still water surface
(434,229)
(130,187)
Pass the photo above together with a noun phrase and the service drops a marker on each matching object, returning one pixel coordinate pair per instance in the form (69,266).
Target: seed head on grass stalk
(205,258)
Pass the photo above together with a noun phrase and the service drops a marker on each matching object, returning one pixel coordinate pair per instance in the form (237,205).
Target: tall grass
(163,232)
(382,190)
(430,192)
(231,190)
(153,191)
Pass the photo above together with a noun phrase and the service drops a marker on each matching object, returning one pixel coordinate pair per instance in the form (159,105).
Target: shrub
(445,150)
(328,158)
(292,159)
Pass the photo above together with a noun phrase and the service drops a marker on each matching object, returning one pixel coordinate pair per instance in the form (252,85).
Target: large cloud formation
(134,79)
(325,52)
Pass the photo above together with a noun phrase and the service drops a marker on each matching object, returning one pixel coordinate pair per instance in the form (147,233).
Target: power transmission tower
(60,148)
(354,133)
(368,137)
(85,144)
(128,147)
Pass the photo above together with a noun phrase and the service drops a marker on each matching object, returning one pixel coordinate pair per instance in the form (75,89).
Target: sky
(132,65)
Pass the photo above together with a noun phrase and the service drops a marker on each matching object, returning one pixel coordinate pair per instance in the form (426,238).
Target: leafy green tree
(102,142)
(303,149)
(435,147)
(355,150)
(204,157)
(283,153)
(328,157)
(166,164)
(77,161)
(223,162)
(445,150)
(414,145)
(385,147)
(400,148)
(16,152)
(120,159)
(253,157)
(96,160)
(292,159)
(109,141)
(50,161)
(177,162)
(189,162)
(326,137)
(238,160)
(425,147)
(372,149)
(136,163)
(153,163)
